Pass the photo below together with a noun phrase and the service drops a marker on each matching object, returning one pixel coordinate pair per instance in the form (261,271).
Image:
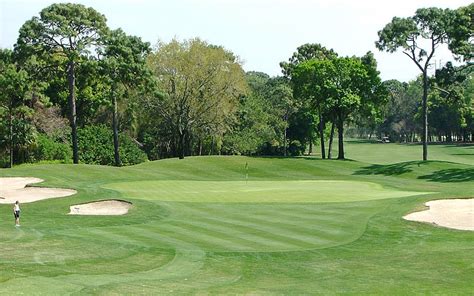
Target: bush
(296,148)
(47,148)
(96,146)
(129,151)
(4,161)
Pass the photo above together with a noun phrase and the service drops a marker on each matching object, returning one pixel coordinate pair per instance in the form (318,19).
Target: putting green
(307,191)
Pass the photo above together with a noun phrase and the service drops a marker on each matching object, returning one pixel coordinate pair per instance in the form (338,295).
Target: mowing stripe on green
(257,191)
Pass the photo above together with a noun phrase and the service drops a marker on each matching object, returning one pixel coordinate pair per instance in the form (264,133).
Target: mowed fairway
(197,226)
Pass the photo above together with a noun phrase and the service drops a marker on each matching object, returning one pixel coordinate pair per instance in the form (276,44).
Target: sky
(261,32)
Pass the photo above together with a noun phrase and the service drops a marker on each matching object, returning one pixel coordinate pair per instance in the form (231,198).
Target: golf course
(245,225)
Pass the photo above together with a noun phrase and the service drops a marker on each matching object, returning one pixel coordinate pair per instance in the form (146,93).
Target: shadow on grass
(306,157)
(363,141)
(450,175)
(389,169)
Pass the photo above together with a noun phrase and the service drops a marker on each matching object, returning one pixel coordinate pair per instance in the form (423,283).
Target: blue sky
(261,32)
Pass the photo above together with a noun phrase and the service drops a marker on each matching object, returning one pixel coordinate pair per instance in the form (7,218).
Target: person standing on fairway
(16,213)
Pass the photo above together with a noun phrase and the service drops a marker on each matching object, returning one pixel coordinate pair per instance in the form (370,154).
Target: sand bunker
(451,213)
(104,207)
(14,188)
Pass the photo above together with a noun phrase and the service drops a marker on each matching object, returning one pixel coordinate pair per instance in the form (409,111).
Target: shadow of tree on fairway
(450,175)
(389,169)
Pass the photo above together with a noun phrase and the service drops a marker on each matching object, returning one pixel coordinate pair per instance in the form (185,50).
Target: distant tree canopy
(434,26)
(16,128)
(202,85)
(341,86)
(304,53)
(263,118)
(75,88)
(124,67)
(64,33)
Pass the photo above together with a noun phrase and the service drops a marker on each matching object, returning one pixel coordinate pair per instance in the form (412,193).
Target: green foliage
(124,66)
(192,98)
(252,130)
(400,113)
(305,52)
(203,83)
(17,131)
(461,33)
(340,87)
(96,147)
(262,117)
(421,34)
(51,31)
(49,149)
(65,35)
(296,148)
(374,92)
(450,109)
(308,103)
(125,58)
(301,129)
(439,26)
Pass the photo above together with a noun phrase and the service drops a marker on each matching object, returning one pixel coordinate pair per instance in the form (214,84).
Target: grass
(387,153)
(303,191)
(297,226)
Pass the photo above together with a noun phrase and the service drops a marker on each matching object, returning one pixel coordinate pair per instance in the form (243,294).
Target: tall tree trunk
(10,136)
(115,127)
(181,146)
(310,151)
(285,150)
(321,134)
(340,130)
(72,115)
(189,145)
(425,115)
(211,146)
(331,137)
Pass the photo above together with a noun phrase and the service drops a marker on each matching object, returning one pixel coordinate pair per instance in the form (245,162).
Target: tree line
(72,89)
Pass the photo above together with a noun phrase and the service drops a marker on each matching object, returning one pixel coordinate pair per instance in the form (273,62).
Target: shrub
(129,151)
(96,146)
(296,148)
(47,148)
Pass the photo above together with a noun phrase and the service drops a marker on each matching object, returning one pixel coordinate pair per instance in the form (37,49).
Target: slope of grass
(168,245)
(387,153)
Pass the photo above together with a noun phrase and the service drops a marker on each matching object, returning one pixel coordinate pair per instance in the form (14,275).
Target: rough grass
(167,245)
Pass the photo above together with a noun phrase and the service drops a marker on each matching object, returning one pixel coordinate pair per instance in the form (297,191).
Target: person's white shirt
(17,207)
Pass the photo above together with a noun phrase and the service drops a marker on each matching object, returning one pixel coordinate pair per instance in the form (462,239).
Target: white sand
(451,213)
(14,188)
(104,207)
